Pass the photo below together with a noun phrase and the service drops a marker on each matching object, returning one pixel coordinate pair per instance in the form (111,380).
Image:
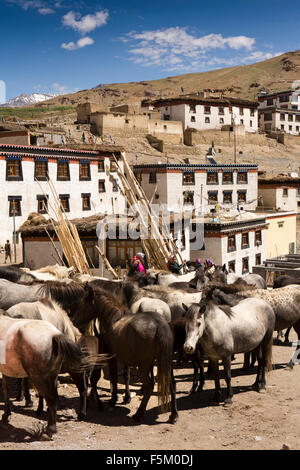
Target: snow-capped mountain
(25,100)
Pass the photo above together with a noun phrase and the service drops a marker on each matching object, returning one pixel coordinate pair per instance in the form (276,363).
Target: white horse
(251,279)
(223,331)
(37,350)
(52,273)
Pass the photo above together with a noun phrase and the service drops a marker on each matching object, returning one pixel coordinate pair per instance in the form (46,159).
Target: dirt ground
(255,421)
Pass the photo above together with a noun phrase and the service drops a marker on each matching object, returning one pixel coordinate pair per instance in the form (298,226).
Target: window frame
(88,177)
(41,197)
(14,177)
(88,196)
(101,181)
(63,178)
(229,173)
(43,177)
(214,173)
(67,198)
(188,173)
(232,248)
(243,244)
(12,199)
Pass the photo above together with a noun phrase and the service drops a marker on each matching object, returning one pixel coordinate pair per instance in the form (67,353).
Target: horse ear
(185,307)
(90,292)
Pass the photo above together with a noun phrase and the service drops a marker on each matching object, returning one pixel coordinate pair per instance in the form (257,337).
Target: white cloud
(87,23)
(46,11)
(83,42)
(55,88)
(259,56)
(43,7)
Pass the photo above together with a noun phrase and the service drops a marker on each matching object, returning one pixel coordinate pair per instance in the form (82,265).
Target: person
(138,265)
(173,265)
(143,259)
(7,251)
(199,263)
(209,265)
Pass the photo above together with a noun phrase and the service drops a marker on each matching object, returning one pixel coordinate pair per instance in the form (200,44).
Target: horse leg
(40,407)
(47,388)
(227,370)
(197,362)
(113,372)
(215,367)
(286,336)
(147,378)
(79,378)
(94,379)
(28,401)
(20,390)
(7,407)
(126,375)
(246,364)
(174,413)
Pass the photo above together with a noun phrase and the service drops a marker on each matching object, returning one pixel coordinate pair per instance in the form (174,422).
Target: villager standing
(7,249)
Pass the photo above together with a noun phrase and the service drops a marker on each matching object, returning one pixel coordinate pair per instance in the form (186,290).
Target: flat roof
(170,166)
(195,99)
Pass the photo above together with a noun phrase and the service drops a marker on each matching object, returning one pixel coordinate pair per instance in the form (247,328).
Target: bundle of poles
(67,234)
(158,245)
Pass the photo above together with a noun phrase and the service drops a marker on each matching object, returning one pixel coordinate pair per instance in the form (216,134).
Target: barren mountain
(246,81)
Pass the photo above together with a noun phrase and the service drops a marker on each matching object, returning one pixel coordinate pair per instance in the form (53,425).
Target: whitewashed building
(196,111)
(280,112)
(82,180)
(202,186)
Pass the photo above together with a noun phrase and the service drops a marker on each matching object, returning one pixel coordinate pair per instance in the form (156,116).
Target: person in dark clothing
(7,251)
(173,266)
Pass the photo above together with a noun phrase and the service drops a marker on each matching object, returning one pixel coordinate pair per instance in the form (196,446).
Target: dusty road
(257,421)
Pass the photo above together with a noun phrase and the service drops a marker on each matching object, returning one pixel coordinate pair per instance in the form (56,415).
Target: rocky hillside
(245,81)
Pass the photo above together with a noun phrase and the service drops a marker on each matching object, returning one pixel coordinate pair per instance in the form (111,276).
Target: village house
(202,112)
(118,245)
(31,134)
(236,239)
(279,192)
(85,182)
(202,186)
(280,112)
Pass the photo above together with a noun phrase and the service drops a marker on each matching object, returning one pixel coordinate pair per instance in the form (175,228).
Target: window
(241,121)
(192,108)
(297,117)
(207,120)
(206,109)
(86,201)
(258,259)
(165,127)
(63,172)
(290,128)
(101,186)
(258,237)
(101,166)
(282,117)
(242,177)
(268,116)
(252,112)
(270,102)
(40,170)
(14,170)
(251,123)
(221,120)
(227,177)
(64,201)
(193,118)
(290,117)
(285,192)
(242,196)
(212,177)
(84,171)
(221,111)
(113,166)
(188,178)
(231,243)
(42,203)
(212,197)
(115,186)
(283,98)
(297,128)
(14,206)
(188,197)
(227,197)
(280,224)
(152,177)
(231,266)
(241,111)
(282,127)
(245,265)
(245,240)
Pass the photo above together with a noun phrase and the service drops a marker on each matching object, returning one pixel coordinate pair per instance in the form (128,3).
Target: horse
(48,310)
(223,331)
(283,281)
(136,341)
(14,274)
(250,279)
(129,293)
(37,350)
(164,278)
(179,334)
(52,273)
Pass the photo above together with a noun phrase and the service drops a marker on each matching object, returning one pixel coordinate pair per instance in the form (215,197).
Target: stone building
(280,112)
(279,192)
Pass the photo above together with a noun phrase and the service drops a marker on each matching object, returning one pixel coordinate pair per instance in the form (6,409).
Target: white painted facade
(210,116)
(27,189)
(168,186)
(280,112)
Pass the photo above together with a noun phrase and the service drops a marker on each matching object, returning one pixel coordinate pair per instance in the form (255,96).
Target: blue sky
(63,46)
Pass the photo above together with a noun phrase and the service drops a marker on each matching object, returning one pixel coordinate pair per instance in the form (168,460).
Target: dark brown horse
(136,341)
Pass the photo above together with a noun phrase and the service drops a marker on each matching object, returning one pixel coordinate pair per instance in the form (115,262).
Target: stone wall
(193,137)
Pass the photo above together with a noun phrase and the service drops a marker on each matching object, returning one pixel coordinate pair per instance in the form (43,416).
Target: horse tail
(164,363)
(73,356)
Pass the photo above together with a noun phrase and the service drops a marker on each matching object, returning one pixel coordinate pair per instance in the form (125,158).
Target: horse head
(194,327)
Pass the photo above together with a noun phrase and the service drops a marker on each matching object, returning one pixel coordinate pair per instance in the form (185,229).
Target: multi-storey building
(280,112)
(202,186)
(202,113)
(81,178)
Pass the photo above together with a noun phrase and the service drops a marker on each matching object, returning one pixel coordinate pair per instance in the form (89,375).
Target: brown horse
(136,341)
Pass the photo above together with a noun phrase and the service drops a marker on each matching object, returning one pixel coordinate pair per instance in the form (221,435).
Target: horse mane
(14,274)
(225,296)
(60,291)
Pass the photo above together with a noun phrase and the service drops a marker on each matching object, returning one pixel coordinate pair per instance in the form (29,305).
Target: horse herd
(77,325)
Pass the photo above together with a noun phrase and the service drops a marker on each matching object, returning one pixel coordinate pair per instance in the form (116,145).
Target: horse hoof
(126,400)
(112,403)
(173,418)
(29,404)
(228,401)
(81,416)
(255,387)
